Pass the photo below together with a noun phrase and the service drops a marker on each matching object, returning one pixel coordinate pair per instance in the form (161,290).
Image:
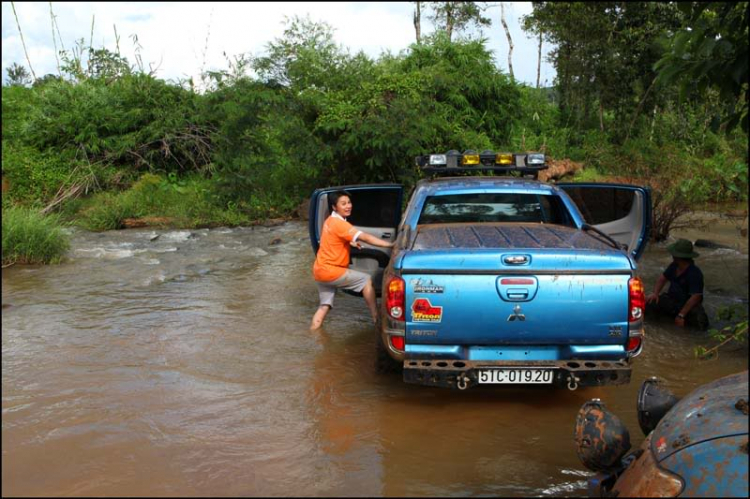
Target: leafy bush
(733,332)
(135,122)
(185,203)
(29,237)
(34,177)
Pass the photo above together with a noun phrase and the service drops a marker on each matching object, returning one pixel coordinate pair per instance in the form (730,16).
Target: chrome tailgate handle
(516,259)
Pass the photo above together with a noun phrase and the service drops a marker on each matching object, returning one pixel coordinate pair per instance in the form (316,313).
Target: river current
(175,362)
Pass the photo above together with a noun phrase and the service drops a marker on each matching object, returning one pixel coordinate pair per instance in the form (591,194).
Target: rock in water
(705,243)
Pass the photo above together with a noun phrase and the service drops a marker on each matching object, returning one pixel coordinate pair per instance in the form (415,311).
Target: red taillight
(398,342)
(636,299)
(634,343)
(395,299)
(517,282)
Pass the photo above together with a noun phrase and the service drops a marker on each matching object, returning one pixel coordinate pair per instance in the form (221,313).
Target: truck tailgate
(507,309)
(519,284)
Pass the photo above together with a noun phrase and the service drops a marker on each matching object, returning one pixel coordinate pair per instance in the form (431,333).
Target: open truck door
(377,211)
(621,211)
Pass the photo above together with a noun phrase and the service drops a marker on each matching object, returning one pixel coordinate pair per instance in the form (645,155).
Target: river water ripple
(170,363)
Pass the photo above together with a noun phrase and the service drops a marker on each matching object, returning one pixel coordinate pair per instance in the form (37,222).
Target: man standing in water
(685,295)
(331,269)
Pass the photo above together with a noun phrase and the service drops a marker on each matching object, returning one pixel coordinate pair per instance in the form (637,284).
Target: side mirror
(601,438)
(654,401)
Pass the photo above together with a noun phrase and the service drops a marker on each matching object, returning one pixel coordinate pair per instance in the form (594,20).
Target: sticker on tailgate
(421,286)
(424,311)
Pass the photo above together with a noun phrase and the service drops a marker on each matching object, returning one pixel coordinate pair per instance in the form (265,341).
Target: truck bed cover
(506,236)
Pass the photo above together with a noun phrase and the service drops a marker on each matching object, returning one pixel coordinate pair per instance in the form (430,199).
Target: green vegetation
(105,141)
(167,201)
(734,332)
(29,237)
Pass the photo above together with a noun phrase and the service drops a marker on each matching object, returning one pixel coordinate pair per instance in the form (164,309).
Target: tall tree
(18,76)
(539,60)
(604,55)
(711,50)
(305,57)
(457,16)
(418,20)
(510,40)
(23,42)
(54,39)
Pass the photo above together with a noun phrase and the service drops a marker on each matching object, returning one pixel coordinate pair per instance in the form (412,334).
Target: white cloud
(173,36)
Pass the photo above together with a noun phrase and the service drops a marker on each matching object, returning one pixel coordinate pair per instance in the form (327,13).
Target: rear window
(494,207)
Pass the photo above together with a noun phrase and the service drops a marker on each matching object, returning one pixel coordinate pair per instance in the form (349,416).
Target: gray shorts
(353,280)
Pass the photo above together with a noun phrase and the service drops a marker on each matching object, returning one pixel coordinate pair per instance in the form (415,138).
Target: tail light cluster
(395,302)
(398,342)
(636,308)
(636,299)
(395,298)
(634,343)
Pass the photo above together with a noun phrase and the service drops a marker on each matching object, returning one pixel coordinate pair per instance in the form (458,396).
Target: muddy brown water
(167,363)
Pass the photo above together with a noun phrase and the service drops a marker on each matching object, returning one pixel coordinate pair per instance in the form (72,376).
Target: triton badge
(516,315)
(615,331)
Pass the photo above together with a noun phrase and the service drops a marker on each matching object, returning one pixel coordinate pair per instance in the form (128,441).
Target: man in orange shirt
(331,269)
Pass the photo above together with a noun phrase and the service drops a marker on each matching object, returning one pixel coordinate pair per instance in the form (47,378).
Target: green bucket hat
(682,248)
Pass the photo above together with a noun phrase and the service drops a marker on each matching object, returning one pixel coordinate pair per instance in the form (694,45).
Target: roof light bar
(470,158)
(504,158)
(438,160)
(535,159)
(504,162)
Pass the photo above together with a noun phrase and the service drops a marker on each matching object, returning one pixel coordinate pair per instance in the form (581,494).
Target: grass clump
(179,203)
(589,174)
(29,237)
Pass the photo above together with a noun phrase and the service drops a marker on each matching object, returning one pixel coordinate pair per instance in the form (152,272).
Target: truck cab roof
(521,185)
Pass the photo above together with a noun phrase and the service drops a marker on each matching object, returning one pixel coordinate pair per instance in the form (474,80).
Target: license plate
(519,376)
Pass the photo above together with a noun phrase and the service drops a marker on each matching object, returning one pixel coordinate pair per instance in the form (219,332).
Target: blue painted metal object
(494,276)
(698,449)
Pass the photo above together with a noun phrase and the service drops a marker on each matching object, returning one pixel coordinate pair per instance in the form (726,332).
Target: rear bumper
(464,374)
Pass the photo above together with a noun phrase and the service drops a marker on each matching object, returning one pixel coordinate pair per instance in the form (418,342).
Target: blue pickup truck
(502,279)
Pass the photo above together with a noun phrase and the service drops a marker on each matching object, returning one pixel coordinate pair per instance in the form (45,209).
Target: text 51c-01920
(520,376)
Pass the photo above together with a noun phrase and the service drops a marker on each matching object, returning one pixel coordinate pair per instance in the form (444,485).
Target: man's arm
(686,308)
(657,289)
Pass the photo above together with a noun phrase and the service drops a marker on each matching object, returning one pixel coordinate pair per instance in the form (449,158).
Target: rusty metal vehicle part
(601,438)
(699,448)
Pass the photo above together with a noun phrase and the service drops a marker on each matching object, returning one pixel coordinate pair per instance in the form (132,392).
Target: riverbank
(724,229)
(29,237)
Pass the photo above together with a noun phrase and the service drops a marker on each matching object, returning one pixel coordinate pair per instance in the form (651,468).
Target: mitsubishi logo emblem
(516,315)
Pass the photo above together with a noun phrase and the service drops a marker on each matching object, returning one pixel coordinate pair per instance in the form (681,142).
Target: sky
(182,39)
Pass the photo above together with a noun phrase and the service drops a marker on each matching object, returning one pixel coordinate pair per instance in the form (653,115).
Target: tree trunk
(449,22)
(418,22)
(601,114)
(510,40)
(539,60)
(653,122)
(54,39)
(639,108)
(22,40)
